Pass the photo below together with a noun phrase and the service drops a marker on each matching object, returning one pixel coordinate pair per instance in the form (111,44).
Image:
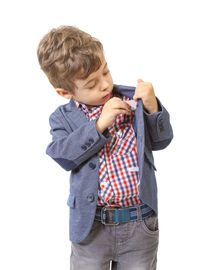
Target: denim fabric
(130,246)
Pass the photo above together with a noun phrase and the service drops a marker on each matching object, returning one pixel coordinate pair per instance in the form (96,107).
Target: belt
(115,216)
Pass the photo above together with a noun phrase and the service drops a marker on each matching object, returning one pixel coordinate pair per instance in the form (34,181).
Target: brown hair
(66,53)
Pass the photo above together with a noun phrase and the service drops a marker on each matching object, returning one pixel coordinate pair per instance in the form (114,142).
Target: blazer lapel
(140,135)
(76,117)
(139,118)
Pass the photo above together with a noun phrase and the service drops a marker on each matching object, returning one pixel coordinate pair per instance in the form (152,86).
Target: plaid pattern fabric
(118,170)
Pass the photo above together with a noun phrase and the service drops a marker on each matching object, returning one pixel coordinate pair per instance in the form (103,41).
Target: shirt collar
(84,107)
(79,104)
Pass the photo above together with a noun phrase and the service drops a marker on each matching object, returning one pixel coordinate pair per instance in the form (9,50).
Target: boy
(107,145)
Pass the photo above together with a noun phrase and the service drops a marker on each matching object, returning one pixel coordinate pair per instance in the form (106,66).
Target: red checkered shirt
(118,163)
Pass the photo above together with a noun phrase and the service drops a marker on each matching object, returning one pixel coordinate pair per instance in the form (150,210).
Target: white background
(153,40)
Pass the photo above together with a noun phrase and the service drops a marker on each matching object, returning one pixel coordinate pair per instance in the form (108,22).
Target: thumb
(135,97)
(139,80)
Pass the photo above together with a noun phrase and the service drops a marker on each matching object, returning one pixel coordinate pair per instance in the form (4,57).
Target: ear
(64,93)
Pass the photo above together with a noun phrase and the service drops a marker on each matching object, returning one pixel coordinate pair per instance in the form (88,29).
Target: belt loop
(139,212)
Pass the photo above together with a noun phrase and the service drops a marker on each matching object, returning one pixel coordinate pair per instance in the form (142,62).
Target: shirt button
(92,165)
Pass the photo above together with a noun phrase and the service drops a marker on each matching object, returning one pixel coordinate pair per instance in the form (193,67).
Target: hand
(111,109)
(145,91)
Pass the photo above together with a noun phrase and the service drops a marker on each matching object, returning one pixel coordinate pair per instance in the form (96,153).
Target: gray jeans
(130,246)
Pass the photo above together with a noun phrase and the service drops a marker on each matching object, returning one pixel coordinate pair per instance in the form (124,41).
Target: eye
(106,72)
(92,86)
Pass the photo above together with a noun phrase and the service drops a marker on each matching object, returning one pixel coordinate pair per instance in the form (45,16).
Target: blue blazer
(75,147)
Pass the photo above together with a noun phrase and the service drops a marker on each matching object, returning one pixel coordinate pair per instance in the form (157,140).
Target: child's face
(97,88)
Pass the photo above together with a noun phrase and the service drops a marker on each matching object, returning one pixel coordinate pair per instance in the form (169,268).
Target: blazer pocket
(149,158)
(71,201)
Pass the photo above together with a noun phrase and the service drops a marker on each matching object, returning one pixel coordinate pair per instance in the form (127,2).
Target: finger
(126,105)
(139,80)
(123,111)
(135,97)
(120,104)
(123,108)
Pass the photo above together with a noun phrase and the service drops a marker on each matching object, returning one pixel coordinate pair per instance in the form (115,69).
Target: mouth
(107,96)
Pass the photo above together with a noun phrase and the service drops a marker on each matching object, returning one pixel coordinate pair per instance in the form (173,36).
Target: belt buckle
(103,211)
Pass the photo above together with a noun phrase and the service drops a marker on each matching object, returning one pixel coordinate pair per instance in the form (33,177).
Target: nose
(104,85)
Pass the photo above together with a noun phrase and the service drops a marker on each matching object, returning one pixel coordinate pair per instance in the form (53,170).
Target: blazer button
(76,169)
(88,144)
(90,197)
(84,147)
(92,165)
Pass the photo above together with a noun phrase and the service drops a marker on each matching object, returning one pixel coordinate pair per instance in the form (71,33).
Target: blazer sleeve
(159,127)
(71,148)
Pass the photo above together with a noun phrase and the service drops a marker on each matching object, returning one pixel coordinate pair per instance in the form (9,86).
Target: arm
(71,148)
(159,127)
